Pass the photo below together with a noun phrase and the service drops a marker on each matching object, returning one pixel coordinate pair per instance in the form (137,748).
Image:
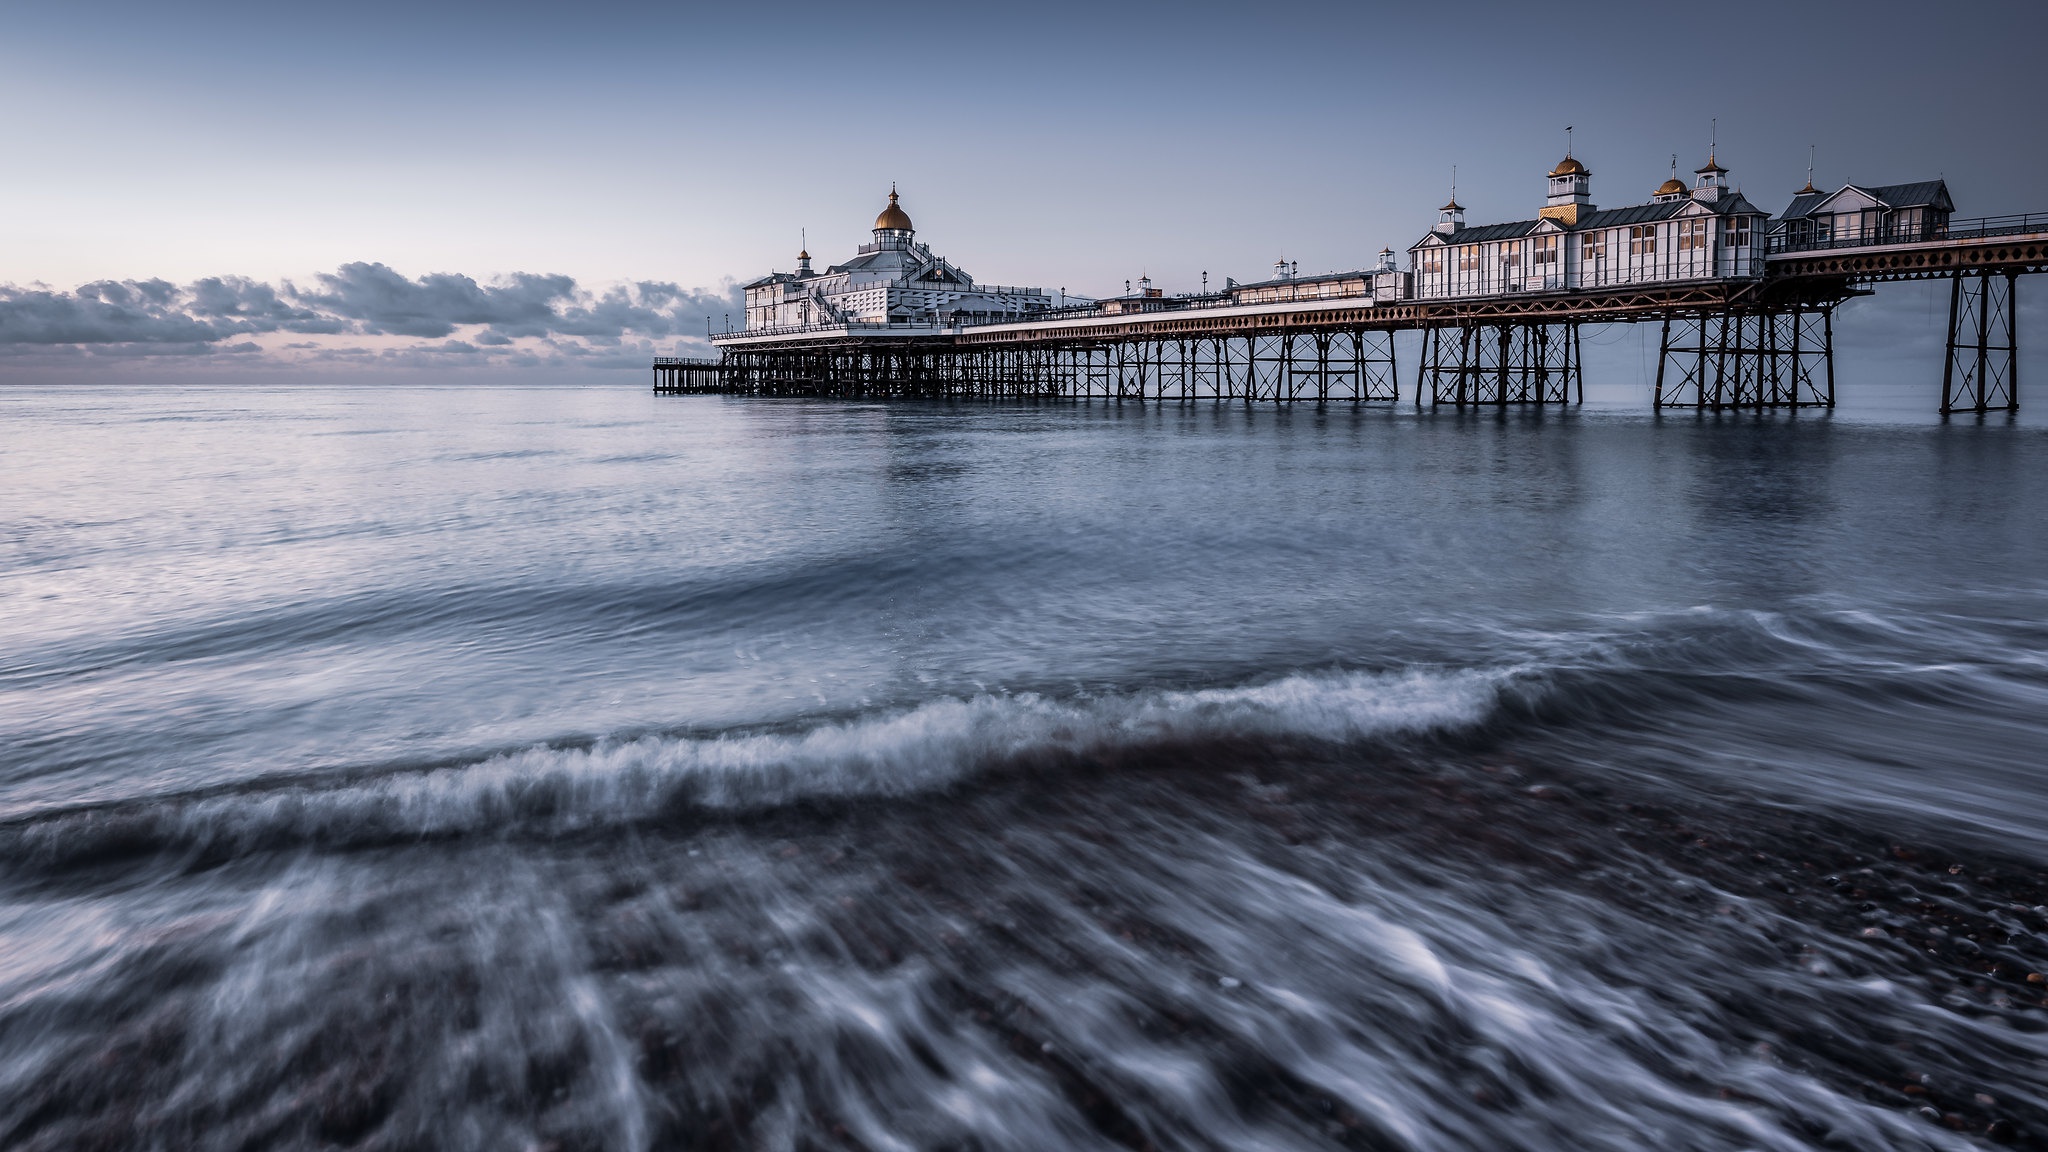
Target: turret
(1450,217)
(893,228)
(1711,181)
(1672,189)
(1571,191)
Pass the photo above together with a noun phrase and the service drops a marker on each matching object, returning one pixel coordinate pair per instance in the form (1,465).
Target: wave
(551,790)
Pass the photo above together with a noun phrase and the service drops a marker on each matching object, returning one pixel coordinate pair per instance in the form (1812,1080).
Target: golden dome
(1671,187)
(1569,167)
(892,216)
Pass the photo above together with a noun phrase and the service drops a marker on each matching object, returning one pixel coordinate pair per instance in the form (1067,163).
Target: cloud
(385,302)
(362,311)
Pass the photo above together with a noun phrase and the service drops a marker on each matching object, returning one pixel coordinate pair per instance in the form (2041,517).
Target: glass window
(1642,240)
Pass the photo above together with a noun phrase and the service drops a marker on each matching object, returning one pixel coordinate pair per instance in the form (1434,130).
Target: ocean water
(573,768)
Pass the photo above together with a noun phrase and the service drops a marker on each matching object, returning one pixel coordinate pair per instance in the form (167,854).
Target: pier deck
(1727,342)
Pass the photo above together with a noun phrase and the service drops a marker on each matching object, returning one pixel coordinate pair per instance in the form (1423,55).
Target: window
(1468,258)
(1510,255)
(1432,262)
(1735,233)
(1593,246)
(1642,240)
(1544,250)
(1692,235)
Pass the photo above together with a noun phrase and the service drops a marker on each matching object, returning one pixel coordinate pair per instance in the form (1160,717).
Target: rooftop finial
(1713,137)
(1809,189)
(1567,141)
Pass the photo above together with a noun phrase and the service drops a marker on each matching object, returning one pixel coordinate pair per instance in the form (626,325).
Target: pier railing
(848,327)
(1977,228)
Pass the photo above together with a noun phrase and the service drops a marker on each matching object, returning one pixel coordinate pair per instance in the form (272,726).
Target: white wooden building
(1857,214)
(1703,232)
(1383,282)
(893,280)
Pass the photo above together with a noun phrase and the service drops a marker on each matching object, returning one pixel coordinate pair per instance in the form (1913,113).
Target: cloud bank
(360,313)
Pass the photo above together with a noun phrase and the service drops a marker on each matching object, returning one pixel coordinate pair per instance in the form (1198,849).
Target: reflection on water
(575,769)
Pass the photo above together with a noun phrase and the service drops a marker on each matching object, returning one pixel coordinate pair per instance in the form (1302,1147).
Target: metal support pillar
(1980,369)
(1756,359)
(1518,362)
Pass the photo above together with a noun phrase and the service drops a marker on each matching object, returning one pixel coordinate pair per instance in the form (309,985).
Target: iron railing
(1978,228)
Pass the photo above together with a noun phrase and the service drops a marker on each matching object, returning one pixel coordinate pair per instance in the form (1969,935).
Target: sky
(528,184)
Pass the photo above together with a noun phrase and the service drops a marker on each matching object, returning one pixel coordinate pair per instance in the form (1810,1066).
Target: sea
(485,766)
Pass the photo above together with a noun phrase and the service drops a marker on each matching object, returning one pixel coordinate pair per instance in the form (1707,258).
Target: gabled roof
(1920,194)
(771,278)
(1731,204)
(1734,204)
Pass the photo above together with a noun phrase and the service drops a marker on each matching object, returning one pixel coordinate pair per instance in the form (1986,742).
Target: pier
(677,375)
(1744,306)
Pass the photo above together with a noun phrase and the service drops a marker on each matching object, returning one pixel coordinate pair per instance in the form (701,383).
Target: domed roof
(892,216)
(1671,187)
(1569,167)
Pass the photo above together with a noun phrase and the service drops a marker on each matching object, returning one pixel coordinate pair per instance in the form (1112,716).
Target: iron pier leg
(1948,357)
(1827,329)
(1663,353)
(1578,363)
(2012,341)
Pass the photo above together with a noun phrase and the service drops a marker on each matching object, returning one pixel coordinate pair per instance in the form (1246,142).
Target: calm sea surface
(557,768)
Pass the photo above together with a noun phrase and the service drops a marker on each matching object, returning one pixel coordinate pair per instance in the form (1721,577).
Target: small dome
(1671,187)
(1569,167)
(892,216)
(1453,206)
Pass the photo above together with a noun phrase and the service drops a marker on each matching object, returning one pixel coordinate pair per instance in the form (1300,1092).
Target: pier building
(1744,303)
(891,282)
(1903,213)
(1704,232)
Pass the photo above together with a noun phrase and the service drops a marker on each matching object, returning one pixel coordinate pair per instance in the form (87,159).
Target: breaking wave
(551,790)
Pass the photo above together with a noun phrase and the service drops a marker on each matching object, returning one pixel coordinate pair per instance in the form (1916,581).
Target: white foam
(903,752)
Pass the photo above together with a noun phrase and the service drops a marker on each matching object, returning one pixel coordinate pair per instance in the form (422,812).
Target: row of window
(1543,251)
